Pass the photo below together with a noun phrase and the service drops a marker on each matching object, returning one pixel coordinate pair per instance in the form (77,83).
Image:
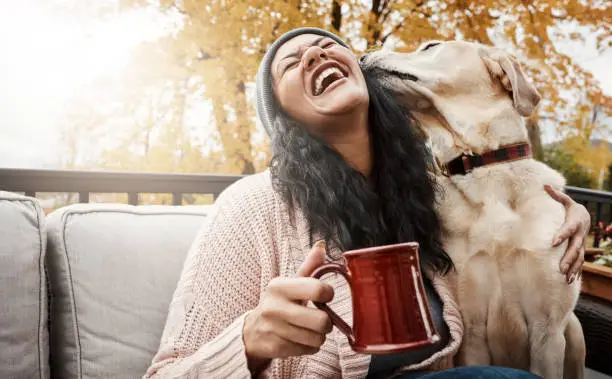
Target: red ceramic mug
(390,308)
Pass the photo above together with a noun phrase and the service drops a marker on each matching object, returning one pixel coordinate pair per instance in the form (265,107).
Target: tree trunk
(244,125)
(374,27)
(336,15)
(533,130)
(236,135)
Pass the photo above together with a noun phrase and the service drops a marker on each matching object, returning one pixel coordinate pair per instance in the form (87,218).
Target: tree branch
(395,29)
(376,7)
(386,11)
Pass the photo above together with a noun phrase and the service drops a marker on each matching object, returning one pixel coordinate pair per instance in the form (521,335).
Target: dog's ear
(507,69)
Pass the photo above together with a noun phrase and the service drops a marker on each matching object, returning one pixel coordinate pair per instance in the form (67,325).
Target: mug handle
(335,319)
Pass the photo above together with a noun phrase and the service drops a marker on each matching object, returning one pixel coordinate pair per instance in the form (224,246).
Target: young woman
(348,171)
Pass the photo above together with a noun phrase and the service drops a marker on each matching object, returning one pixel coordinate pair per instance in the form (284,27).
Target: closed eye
(289,66)
(429,46)
(328,44)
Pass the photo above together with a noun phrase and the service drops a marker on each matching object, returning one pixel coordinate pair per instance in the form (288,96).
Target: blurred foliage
(593,156)
(212,55)
(558,158)
(605,259)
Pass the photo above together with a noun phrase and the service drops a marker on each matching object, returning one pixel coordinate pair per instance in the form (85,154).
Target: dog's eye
(430,45)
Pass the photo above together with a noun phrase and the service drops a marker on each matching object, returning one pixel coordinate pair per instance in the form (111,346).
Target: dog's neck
(457,129)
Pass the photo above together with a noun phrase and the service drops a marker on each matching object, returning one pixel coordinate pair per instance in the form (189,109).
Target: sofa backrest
(113,270)
(23,290)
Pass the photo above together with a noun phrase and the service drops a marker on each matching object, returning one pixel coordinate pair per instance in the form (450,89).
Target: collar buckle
(461,165)
(466,163)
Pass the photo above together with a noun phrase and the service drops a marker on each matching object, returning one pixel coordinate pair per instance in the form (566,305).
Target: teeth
(326,73)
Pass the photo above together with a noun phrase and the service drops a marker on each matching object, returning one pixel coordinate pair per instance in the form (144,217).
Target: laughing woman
(348,171)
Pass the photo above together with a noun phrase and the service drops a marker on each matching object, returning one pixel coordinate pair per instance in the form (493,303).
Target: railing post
(133,198)
(177,198)
(83,197)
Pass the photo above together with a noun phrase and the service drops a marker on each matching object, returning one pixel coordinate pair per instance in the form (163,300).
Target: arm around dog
(576,229)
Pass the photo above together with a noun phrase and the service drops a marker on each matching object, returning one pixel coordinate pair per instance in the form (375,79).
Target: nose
(313,55)
(363,58)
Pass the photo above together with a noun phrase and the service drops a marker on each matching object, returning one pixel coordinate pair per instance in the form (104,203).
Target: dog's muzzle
(369,64)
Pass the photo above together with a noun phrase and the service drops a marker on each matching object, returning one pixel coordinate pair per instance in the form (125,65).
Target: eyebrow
(296,54)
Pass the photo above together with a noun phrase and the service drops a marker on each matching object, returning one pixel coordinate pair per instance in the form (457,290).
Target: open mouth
(325,78)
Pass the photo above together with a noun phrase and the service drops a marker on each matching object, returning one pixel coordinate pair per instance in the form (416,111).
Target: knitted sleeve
(219,284)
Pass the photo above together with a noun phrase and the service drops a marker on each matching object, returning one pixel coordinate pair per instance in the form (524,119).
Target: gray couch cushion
(113,271)
(24,338)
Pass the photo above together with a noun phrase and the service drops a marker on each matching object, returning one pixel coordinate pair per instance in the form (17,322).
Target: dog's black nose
(362,58)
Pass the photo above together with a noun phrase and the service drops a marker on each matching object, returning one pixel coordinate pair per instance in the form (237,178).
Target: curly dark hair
(396,205)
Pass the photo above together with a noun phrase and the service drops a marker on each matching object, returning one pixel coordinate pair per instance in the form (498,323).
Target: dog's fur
(498,222)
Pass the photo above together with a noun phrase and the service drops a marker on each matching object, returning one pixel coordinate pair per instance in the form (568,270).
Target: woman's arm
(231,315)
(219,284)
(576,229)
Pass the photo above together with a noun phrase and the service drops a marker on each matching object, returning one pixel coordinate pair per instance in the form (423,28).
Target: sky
(46,56)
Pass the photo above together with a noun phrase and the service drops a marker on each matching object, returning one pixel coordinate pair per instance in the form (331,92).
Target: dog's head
(467,96)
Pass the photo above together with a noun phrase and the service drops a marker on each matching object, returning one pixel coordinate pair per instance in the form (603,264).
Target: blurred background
(167,86)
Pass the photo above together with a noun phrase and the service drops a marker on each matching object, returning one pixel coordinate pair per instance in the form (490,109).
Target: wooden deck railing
(597,199)
(32,182)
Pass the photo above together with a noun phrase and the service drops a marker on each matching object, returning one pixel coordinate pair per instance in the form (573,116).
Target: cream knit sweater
(248,240)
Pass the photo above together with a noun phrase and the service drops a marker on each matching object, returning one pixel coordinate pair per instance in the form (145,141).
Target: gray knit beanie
(267,106)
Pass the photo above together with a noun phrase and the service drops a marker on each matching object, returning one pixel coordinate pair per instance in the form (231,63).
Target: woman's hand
(282,325)
(576,228)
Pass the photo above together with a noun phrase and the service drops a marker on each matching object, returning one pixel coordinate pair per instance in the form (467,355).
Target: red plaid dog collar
(465,163)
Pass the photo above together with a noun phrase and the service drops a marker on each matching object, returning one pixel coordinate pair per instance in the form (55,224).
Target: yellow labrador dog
(498,221)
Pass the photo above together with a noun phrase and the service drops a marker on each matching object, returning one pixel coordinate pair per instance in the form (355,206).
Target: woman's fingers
(281,325)
(300,316)
(301,289)
(314,259)
(275,346)
(300,336)
(568,229)
(274,334)
(558,195)
(575,228)
(574,243)
(576,269)
(571,257)
(267,334)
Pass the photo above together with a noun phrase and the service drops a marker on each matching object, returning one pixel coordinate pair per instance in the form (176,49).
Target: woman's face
(316,79)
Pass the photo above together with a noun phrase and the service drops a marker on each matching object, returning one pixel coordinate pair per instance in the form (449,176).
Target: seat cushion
(595,316)
(113,270)
(24,338)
